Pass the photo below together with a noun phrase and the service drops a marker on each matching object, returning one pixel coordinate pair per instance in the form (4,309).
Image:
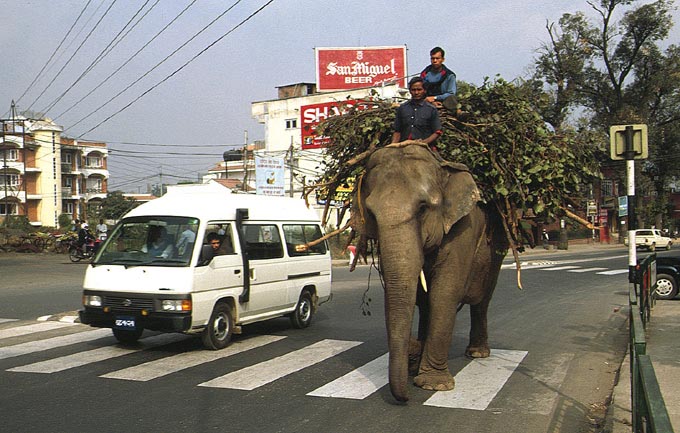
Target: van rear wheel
(304,310)
(127,337)
(217,334)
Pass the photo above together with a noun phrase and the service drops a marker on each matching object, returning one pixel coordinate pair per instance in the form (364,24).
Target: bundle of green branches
(518,162)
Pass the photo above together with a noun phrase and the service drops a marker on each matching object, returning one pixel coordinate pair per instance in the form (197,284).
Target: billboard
(357,67)
(269,176)
(311,115)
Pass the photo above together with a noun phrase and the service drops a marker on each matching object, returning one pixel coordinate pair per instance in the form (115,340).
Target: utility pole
(160,175)
(245,160)
(290,164)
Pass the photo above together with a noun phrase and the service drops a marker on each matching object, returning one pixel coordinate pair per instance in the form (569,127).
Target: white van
(179,264)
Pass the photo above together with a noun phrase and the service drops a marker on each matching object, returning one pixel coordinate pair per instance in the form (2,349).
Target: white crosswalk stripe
(31,329)
(7,320)
(560,268)
(164,366)
(586,270)
(96,355)
(358,384)
(51,343)
(614,272)
(470,392)
(265,372)
(477,384)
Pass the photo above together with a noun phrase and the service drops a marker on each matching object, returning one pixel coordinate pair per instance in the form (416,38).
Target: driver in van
(219,248)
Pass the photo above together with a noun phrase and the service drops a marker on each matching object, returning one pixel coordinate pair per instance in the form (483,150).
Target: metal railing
(649,412)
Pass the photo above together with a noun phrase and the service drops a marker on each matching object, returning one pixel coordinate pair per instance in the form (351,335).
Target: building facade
(44,175)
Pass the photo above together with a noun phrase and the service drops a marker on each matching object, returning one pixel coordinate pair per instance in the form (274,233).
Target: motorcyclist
(84,237)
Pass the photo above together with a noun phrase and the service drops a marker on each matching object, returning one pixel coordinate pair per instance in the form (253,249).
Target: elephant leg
(415,348)
(479,345)
(433,373)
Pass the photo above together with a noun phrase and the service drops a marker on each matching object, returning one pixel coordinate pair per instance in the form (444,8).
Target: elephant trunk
(401,268)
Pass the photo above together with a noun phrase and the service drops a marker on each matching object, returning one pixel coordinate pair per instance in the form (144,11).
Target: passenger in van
(157,244)
(219,248)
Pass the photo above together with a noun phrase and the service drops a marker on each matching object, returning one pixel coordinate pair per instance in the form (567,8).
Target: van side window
(297,235)
(262,241)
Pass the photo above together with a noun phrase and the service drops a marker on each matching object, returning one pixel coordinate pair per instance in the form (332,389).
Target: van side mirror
(207,255)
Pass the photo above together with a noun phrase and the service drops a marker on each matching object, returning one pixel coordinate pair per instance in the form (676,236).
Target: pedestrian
(101,230)
(417,119)
(440,81)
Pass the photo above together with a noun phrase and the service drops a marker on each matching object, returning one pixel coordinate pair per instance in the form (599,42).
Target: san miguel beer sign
(352,68)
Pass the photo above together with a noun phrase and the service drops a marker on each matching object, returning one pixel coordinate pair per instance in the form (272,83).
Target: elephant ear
(460,193)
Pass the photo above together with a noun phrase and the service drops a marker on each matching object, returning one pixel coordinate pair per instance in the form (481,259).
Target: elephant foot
(435,380)
(415,350)
(477,352)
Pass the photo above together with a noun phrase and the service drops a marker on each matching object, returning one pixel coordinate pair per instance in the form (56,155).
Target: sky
(176,114)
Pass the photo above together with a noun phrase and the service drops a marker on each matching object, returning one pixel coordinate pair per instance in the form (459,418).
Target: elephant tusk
(422,281)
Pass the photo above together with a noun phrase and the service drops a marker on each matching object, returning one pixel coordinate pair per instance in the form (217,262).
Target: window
(9,179)
(68,182)
(607,188)
(291,123)
(66,158)
(93,161)
(69,208)
(8,208)
(262,241)
(297,235)
(9,154)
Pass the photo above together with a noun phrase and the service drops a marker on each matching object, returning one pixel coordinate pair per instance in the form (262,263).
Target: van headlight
(92,301)
(176,305)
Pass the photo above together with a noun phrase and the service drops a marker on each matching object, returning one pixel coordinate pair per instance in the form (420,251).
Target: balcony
(65,167)
(96,171)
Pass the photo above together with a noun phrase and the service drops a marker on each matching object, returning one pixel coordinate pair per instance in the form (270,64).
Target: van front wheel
(217,334)
(302,316)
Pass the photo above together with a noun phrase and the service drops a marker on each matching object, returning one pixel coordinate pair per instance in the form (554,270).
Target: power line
(55,51)
(106,51)
(127,61)
(74,53)
(180,68)
(148,72)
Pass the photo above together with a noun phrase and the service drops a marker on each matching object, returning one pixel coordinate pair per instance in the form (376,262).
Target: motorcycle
(77,253)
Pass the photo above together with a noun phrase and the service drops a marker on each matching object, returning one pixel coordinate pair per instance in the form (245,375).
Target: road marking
(164,366)
(96,355)
(8,320)
(31,329)
(614,272)
(479,382)
(587,270)
(357,384)
(265,372)
(560,268)
(51,343)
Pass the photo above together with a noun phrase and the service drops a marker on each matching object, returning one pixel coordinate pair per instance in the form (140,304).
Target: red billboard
(311,115)
(357,67)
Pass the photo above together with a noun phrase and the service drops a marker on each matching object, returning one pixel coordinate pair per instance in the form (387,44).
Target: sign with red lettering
(358,67)
(312,115)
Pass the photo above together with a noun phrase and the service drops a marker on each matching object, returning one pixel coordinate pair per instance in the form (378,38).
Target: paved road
(556,348)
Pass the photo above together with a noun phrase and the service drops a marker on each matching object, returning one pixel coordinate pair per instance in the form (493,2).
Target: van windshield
(150,241)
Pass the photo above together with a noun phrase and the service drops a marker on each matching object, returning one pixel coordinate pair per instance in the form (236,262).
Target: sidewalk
(662,346)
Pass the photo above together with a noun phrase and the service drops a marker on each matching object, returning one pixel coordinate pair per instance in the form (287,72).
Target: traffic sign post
(629,142)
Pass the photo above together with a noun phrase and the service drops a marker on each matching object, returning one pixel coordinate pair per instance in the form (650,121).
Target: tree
(115,205)
(617,73)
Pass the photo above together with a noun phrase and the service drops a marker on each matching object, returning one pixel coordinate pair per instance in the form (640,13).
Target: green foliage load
(518,162)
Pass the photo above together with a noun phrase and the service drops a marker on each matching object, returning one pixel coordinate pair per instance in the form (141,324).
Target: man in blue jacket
(439,81)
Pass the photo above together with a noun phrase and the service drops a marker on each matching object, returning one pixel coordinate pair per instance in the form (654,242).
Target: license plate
(124,322)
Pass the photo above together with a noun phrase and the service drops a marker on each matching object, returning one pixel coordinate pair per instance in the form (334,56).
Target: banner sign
(312,115)
(269,176)
(357,67)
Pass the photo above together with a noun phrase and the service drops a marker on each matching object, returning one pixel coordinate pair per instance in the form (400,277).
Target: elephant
(427,215)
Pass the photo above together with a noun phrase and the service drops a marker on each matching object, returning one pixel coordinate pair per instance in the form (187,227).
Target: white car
(651,239)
